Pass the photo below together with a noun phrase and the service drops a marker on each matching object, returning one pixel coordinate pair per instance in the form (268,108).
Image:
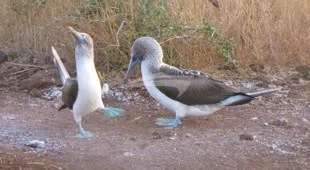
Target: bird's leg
(83,133)
(112,111)
(173,123)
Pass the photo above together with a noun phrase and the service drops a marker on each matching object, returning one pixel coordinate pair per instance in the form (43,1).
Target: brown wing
(191,87)
(69,93)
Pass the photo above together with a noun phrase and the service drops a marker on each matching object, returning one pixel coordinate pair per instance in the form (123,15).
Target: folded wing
(195,88)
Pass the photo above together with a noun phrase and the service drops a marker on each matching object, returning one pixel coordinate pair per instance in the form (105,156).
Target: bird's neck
(86,70)
(150,66)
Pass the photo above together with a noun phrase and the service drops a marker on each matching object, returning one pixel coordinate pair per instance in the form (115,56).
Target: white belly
(89,93)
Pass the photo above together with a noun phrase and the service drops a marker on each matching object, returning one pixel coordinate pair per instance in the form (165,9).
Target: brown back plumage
(191,87)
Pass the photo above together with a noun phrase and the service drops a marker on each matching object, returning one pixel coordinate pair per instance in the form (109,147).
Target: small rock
(274,146)
(215,3)
(222,156)
(56,105)
(246,137)
(156,135)
(304,71)
(247,85)
(3,57)
(118,98)
(133,138)
(117,93)
(254,118)
(295,79)
(129,97)
(197,143)
(305,120)
(36,144)
(188,135)
(128,154)
(306,142)
(105,89)
(280,122)
(9,117)
(51,93)
(171,138)
(35,93)
(266,124)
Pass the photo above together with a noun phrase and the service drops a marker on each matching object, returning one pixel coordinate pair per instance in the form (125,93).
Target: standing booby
(186,92)
(82,95)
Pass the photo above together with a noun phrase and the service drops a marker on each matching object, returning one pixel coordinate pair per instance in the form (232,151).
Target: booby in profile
(186,92)
(82,95)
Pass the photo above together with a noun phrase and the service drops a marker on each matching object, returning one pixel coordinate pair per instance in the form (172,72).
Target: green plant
(223,44)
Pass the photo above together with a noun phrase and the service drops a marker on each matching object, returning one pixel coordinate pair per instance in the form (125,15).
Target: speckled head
(144,50)
(83,43)
(146,47)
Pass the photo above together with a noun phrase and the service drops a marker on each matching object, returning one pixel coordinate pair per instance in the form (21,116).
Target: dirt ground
(272,132)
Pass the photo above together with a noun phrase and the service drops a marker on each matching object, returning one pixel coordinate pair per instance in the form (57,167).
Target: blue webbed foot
(84,134)
(112,112)
(173,123)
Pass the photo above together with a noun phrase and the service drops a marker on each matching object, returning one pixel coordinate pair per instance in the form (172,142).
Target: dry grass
(275,33)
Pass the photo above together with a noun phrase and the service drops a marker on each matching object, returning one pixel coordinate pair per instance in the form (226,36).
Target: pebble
(280,122)
(306,142)
(56,105)
(128,154)
(156,135)
(254,118)
(36,144)
(3,57)
(9,117)
(35,93)
(188,135)
(246,137)
(51,93)
(171,138)
(133,138)
(247,85)
(105,89)
(305,120)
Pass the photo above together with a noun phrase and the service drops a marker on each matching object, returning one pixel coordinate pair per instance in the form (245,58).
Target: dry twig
(25,65)
(118,31)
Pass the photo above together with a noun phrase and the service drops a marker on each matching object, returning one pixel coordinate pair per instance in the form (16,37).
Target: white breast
(147,76)
(89,94)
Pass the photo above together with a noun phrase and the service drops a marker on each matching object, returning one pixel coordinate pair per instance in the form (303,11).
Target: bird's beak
(132,66)
(76,34)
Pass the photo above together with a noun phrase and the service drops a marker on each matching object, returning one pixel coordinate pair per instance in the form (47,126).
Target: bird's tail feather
(113,112)
(237,99)
(260,93)
(61,69)
(243,98)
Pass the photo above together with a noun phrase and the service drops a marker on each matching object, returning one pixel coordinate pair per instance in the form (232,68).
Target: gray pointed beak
(134,62)
(76,34)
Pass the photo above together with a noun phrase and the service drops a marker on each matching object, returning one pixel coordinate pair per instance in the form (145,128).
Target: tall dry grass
(275,33)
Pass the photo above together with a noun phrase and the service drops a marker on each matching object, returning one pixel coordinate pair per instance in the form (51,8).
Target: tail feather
(237,99)
(61,69)
(242,98)
(260,93)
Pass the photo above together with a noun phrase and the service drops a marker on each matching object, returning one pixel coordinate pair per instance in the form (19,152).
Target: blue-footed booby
(82,95)
(186,92)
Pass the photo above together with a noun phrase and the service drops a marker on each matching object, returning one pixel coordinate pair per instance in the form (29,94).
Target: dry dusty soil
(272,132)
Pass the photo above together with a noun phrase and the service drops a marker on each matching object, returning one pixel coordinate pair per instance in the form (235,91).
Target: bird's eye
(83,36)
